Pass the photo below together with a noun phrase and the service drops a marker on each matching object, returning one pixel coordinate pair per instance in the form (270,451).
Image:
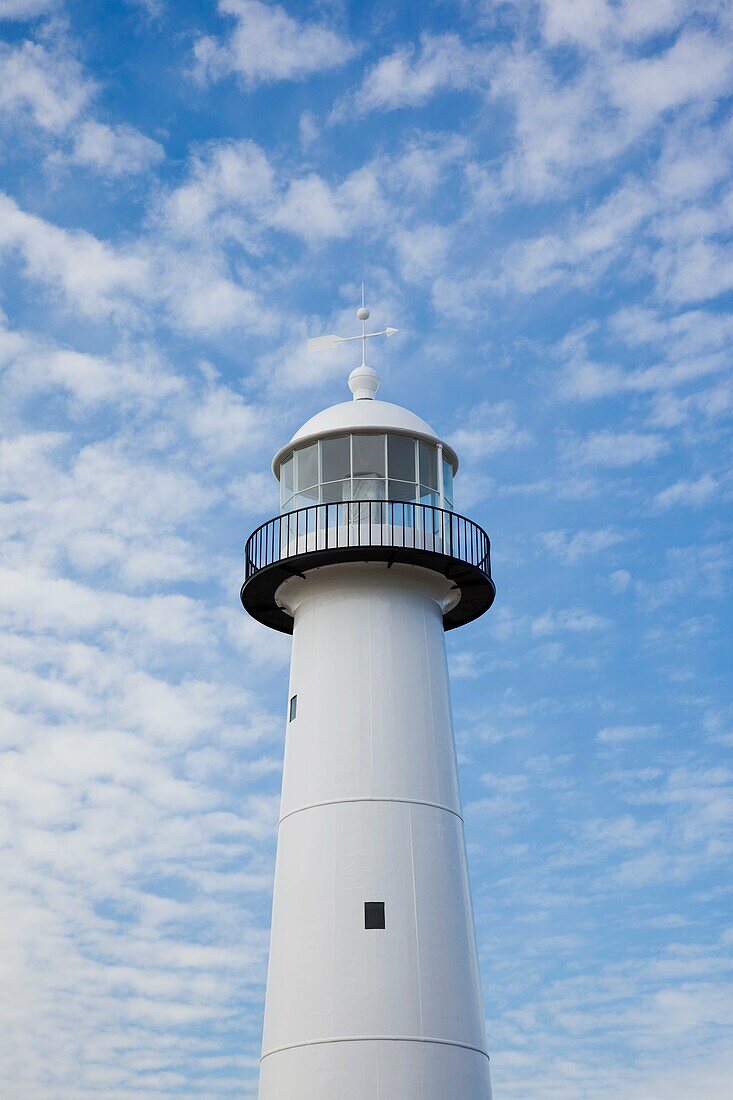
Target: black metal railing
(402,526)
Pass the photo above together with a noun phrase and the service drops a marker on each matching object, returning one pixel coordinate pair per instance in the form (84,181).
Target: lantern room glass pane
(335,458)
(402,490)
(306,467)
(429,496)
(428,465)
(368,455)
(401,458)
(336,491)
(306,499)
(286,477)
(448,482)
(373,489)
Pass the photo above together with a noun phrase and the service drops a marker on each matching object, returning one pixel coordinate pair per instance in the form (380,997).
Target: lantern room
(366,466)
(365,450)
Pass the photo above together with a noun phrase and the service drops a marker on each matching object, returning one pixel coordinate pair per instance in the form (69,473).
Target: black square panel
(374,914)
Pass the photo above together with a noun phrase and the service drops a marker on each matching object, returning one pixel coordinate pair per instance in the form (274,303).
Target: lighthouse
(373,989)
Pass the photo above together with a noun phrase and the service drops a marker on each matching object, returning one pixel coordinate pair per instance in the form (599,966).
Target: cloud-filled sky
(538,195)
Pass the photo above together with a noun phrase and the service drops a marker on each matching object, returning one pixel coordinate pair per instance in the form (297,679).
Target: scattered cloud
(114,150)
(575,620)
(614,735)
(567,124)
(43,83)
(616,450)
(314,210)
(409,77)
(99,280)
(268,45)
(620,580)
(687,493)
(25,9)
(227,182)
(572,547)
(490,429)
(593,22)
(96,278)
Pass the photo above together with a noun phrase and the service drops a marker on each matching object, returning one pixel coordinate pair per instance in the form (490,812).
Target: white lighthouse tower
(373,988)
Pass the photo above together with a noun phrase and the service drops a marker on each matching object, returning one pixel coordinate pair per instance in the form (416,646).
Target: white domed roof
(361,415)
(370,415)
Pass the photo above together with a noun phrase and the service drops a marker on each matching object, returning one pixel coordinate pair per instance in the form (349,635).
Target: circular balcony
(367,530)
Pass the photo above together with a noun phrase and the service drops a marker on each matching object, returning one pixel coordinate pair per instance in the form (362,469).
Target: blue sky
(538,196)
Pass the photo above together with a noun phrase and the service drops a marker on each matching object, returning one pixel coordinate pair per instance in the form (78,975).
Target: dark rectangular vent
(374,914)
(293,707)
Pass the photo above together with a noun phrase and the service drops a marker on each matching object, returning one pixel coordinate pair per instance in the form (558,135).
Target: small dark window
(374,914)
(293,707)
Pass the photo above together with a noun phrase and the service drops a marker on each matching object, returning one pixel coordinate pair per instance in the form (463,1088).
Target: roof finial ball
(364,382)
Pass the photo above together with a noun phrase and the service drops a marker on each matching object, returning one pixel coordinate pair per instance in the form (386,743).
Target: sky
(538,195)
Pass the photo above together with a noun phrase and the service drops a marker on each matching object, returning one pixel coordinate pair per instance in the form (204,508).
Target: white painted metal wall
(371,812)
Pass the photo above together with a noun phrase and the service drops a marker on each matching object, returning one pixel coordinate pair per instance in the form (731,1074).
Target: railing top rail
(434,530)
(365,503)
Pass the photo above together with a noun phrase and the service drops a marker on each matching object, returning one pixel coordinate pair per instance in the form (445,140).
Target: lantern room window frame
(432,482)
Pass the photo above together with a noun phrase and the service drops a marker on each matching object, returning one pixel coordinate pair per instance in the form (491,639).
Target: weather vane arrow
(326,343)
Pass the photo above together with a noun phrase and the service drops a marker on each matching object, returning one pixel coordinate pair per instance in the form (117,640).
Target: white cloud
(687,493)
(308,130)
(44,83)
(589,243)
(94,277)
(314,210)
(575,620)
(695,67)
(422,250)
(268,45)
(192,291)
(560,126)
(224,422)
(696,271)
(407,78)
(617,449)
(234,193)
(490,429)
(25,9)
(114,150)
(620,580)
(567,124)
(693,159)
(689,345)
(614,735)
(30,364)
(572,547)
(227,181)
(685,335)
(578,251)
(596,24)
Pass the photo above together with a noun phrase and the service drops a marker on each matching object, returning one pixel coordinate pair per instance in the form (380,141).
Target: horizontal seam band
(338,801)
(375,1039)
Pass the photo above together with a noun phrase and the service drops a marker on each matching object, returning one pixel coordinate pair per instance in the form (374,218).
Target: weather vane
(326,343)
